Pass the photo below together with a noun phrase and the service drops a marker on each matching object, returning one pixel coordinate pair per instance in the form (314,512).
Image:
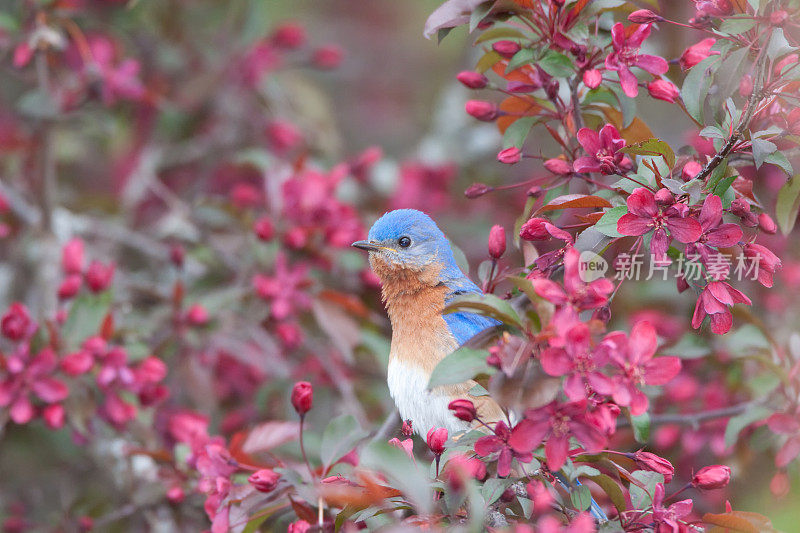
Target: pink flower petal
(684,229)
(590,140)
(653,64)
(630,85)
(661,370)
(556,450)
(711,212)
(555,362)
(487,445)
(788,452)
(586,164)
(528,435)
(642,202)
(550,291)
(630,224)
(721,322)
(724,236)
(643,342)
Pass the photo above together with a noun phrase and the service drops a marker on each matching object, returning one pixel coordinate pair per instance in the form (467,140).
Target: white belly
(426,409)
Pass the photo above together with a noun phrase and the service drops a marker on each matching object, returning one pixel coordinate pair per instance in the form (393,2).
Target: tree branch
(695,419)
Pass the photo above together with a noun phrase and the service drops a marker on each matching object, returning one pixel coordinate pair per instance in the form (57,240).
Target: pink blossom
(669,516)
(575,292)
(500,442)
(636,366)
(285,289)
(626,55)
(283,136)
(663,90)
(602,151)
(644,216)
(714,301)
(592,78)
(98,276)
(767,262)
(16,323)
(555,423)
(26,377)
(714,233)
(579,363)
(72,257)
(289,35)
(436,439)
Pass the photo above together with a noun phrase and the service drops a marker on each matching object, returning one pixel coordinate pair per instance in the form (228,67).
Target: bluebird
(419,277)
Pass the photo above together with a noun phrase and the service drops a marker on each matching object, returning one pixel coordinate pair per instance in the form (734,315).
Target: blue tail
(595,510)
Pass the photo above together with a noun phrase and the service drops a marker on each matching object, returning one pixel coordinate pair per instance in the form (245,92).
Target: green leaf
(607,225)
(761,149)
(402,472)
(581,497)
(488,60)
(641,427)
(722,186)
(556,64)
(478,14)
(778,45)
(517,132)
(788,205)
(612,490)
(85,317)
(441,34)
(737,25)
(642,497)
(494,487)
(779,160)
(341,436)
(696,85)
(737,423)
(458,367)
(487,305)
(499,33)
(523,57)
(652,147)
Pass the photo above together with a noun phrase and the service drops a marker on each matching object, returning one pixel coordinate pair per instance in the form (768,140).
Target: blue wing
(464,325)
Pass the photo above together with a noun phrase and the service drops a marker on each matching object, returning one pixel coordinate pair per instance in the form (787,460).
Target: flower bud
(302,397)
(767,260)
(664,197)
(327,57)
(436,439)
(654,463)
(714,8)
(485,111)
(472,80)
(99,276)
(690,170)
(592,78)
(497,242)
(766,224)
(663,90)
(697,52)
(53,415)
(72,257)
(175,494)
(506,49)
(463,409)
(552,89)
(558,166)
(70,286)
(509,156)
(534,230)
(644,16)
(777,18)
(740,207)
(264,229)
(197,315)
(264,480)
(476,190)
(289,36)
(16,323)
(282,135)
(408,428)
(177,255)
(298,526)
(77,363)
(712,477)
(746,85)
(535,192)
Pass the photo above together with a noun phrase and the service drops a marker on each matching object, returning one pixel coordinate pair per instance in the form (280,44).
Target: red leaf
(570,201)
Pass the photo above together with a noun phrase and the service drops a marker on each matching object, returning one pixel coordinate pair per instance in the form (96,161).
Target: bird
(419,277)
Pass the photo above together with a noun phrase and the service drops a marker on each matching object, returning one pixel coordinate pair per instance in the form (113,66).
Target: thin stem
(695,419)
(303,449)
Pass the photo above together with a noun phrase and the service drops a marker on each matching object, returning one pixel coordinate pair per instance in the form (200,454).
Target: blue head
(409,239)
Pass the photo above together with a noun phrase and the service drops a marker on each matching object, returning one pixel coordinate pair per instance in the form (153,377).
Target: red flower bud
(72,257)
(712,477)
(766,224)
(714,8)
(644,16)
(298,526)
(473,80)
(690,170)
(77,363)
(697,52)
(485,111)
(558,166)
(264,229)
(740,207)
(196,315)
(436,439)
(663,90)
(509,156)
(664,197)
(282,135)
(289,36)
(99,276)
(16,323)
(175,494)
(70,286)
(477,189)
(328,57)
(654,463)
(177,255)
(777,18)
(506,49)
(408,428)
(265,480)
(463,409)
(535,192)
(592,78)
(497,242)
(302,397)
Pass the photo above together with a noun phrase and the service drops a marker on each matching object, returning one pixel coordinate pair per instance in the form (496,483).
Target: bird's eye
(404,242)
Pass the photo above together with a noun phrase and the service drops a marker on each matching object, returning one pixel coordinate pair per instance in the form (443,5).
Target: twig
(744,121)
(387,425)
(695,419)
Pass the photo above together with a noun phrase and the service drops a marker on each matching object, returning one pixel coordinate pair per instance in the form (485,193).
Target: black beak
(369,246)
